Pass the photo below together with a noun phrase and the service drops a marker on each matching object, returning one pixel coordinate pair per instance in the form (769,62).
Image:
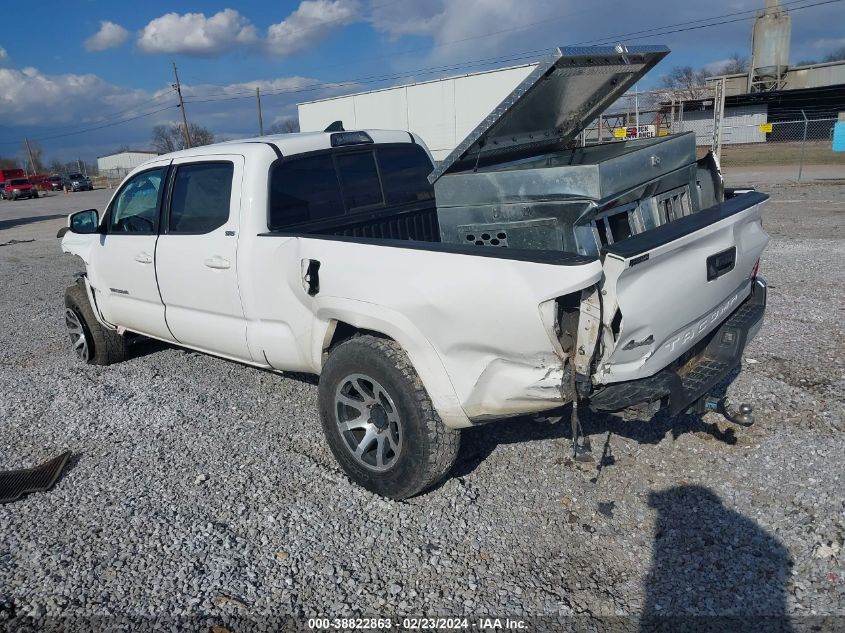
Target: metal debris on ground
(16,483)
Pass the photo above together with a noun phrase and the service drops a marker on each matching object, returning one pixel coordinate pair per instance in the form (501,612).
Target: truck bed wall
(417,223)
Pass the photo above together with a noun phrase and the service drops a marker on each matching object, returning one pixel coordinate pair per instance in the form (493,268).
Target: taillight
(756,269)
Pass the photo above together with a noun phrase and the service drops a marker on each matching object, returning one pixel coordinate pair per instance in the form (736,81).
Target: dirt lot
(201,492)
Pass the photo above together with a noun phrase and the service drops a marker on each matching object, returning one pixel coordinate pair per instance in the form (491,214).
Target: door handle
(218,263)
(144,258)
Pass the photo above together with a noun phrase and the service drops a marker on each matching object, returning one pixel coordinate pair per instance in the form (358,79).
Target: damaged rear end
(679,297)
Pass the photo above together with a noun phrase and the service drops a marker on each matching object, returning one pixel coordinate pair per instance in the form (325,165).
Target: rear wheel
(379,420)
(90,341)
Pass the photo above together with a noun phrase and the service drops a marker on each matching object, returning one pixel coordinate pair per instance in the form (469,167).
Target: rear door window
(303,190)
(359,179)
(404,173)
(201,197)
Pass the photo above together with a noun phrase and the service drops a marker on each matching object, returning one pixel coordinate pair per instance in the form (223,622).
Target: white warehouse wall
(741,124)
(442,112)
(122,162)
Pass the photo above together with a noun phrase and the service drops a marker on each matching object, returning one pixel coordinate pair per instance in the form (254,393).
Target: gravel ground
(201,491)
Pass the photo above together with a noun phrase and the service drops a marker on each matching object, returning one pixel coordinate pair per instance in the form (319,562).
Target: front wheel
(90,341)
(379,420)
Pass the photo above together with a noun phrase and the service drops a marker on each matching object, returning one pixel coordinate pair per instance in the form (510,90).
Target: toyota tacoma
(523,274)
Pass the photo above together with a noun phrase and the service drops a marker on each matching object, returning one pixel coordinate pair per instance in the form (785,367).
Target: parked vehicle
(8,174)
(54,183)
(525,273)
(78,182)
(19,188)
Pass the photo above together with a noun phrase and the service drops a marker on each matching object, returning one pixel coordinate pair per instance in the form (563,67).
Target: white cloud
(54,105)
(714,68)
(827,44)
(29,97)
(4,57)
(197,34)
(466,29)
(312,21)
(110,35)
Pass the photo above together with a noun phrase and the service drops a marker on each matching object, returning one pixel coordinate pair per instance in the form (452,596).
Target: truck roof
(296,143)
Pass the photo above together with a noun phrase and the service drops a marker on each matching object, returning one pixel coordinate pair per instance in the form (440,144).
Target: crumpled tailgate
(666,289)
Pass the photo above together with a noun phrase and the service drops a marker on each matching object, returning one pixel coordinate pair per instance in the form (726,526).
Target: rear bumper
(693,376)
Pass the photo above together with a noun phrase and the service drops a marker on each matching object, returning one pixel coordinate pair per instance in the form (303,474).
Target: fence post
(803,146)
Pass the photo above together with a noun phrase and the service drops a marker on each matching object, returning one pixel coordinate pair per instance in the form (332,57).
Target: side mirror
(82,222)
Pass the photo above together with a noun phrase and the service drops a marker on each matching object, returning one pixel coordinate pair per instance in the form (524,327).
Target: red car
(18,188)
(53,183)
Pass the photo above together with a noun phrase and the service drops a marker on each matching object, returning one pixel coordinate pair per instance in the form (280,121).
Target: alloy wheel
(78,335)
(368,422)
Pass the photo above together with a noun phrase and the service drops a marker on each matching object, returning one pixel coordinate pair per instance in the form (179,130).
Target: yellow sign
(766,128)
(620,132)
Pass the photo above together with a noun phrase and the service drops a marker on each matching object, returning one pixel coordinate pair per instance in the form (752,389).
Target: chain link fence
(744,136)
(798,143)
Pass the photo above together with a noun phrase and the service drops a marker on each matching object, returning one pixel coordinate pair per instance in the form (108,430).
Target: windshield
(76,176)
(20,181)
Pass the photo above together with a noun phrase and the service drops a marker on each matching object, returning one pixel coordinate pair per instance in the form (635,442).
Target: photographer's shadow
(712,568)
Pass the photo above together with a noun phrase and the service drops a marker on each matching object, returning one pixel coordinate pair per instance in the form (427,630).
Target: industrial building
(442,111)
(119,164)
(730,109)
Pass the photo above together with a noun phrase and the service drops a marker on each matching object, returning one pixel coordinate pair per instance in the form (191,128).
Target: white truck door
(123,272)
(197,255)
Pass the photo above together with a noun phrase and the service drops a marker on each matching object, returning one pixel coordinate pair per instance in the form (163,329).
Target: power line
(680,27)
(655,31)
(93,129)
(522,56)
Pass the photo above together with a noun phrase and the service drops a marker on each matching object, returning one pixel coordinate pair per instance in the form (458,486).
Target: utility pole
(178,88)
(260,118)
(79,165)
(29,151)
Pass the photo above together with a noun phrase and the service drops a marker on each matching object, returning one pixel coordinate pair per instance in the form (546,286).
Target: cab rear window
(337,184)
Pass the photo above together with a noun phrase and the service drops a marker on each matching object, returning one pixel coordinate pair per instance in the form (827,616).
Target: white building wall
(441,112)
(122,163)
(741,125)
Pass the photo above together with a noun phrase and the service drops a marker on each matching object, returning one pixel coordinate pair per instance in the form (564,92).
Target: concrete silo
(770,44)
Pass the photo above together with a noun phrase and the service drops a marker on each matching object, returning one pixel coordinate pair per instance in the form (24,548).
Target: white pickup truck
(524,273)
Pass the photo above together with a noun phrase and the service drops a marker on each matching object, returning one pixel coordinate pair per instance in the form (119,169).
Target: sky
(85,79)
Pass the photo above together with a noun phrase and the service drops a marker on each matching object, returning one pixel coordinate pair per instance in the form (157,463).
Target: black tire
(35,194)
(427,447)
(104,347)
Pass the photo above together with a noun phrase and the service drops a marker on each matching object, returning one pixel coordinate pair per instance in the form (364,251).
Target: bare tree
(686,82)
(200,135)
(56,167)
(736,65)
(287,126)
(162,139)
(171,138)
(835,56)
(7,162)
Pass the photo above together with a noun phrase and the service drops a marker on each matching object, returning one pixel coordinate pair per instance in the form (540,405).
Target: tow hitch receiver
(741,415)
